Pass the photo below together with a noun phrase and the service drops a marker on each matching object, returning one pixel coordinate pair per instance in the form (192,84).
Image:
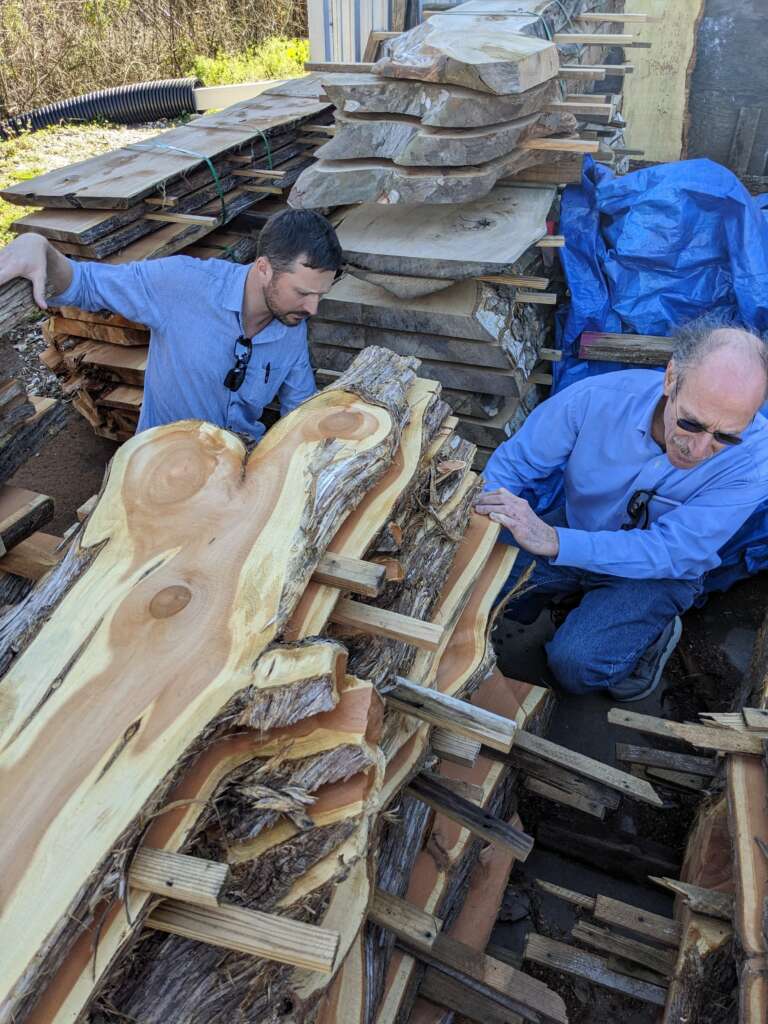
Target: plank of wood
(33,557)
(561,957)
(338,67)
(498,983)
(563,796)
(682,780)
(404,920)
(30,434)
(86,508)
(186,879)
(701,901)
(127,397)
(382,622)
(576,899)
(634,18)
(605,774)
(755,719)
(561,145)
(466,790)
(22,513)
(748,826)
(641,349)
(622,39)
(562,779)
(572,72)
(250,931)
(662,929)
(656,97)
(650,756)
(471,817)
(353,574)
(622,854)
(661,961)
(450,713)
(449,746)
(706,737)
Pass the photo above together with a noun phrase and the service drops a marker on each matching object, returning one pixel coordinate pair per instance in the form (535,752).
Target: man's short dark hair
(300,233)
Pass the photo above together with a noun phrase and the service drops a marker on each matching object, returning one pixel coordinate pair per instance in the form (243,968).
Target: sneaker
(646,674)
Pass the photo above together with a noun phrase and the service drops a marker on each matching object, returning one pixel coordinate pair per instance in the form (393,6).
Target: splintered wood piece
(562,778)
(33,557)
(568,799)
(404,920)
(450,746)
(187,879)
(466,790)
(661,961)
(86,508)
(701,901)
(708,737)
(492,980)
(641,349)
(450,713)
(562,957)
(642,922)
(589,768)
(471,817)
(650,757)
(353,574)
(381,622)
(250,931)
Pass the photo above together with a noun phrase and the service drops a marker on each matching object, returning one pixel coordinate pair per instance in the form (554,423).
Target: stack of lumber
(292,743)
(236,720)
(101,357)
(721,909)
(468,98)
(156,197)
(466,293)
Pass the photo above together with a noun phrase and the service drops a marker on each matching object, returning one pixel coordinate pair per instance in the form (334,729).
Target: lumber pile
(265,750)
(156,197)
(463,101)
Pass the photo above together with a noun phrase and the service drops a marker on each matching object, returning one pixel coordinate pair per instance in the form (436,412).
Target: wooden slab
(439,106)
(474,51)
(22,512)
(706,737)
(447,241)
(748,819)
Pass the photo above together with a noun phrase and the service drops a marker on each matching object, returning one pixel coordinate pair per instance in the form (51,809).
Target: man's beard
(289,317)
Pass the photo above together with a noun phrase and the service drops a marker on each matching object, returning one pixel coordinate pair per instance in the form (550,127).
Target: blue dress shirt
(193,309)
(598,432)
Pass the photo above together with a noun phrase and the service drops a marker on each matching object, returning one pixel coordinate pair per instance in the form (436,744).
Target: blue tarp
(652,250)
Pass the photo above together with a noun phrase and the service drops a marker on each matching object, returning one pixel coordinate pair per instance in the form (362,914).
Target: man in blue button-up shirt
(659,472)
(225,339)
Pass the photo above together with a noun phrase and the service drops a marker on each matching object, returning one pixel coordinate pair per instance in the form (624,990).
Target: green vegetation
(274,58)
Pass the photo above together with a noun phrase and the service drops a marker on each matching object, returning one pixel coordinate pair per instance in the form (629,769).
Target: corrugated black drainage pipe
(125,104)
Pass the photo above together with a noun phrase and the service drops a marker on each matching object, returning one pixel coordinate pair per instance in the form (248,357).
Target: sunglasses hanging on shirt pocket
(236,375)
(637,510)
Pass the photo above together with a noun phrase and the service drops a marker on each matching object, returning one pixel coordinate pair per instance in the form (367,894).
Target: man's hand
(33,257)
(530,532)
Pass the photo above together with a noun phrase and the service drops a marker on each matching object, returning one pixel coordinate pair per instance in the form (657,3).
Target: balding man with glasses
(659,472)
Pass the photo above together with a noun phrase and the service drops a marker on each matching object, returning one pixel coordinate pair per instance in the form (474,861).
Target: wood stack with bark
(154,198)
(212,668)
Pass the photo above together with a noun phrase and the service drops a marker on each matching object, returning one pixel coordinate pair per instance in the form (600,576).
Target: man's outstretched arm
(33,257)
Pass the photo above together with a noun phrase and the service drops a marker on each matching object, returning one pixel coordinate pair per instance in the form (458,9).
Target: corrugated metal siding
(339,29)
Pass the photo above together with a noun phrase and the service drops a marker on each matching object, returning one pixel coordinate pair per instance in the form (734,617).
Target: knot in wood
(169,601)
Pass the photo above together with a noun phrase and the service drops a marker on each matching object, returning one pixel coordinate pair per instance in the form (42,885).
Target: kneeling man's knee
(570,668)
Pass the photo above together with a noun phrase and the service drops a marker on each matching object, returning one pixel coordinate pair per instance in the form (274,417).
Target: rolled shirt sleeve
(682,544)
(134,290)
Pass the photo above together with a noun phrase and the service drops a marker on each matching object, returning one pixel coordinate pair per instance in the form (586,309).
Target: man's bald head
(717,378)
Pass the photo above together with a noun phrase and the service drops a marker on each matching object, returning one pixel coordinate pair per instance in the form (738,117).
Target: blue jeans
(615,622)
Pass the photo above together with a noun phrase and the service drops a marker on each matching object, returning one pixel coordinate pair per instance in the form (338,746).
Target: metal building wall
(339,29)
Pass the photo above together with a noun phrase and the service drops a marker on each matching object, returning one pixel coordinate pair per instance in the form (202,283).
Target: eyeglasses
(694,427)
(637,510)
(236,375)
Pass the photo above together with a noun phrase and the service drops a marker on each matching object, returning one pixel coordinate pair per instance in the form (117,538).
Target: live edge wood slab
(191,563)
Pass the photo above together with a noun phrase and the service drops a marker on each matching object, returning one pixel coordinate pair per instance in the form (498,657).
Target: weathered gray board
(330,183)
(450,375)
(441,106)
(126,176)
(490,433)
(730,76)
(447,241)
(405,141)
(473,50)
